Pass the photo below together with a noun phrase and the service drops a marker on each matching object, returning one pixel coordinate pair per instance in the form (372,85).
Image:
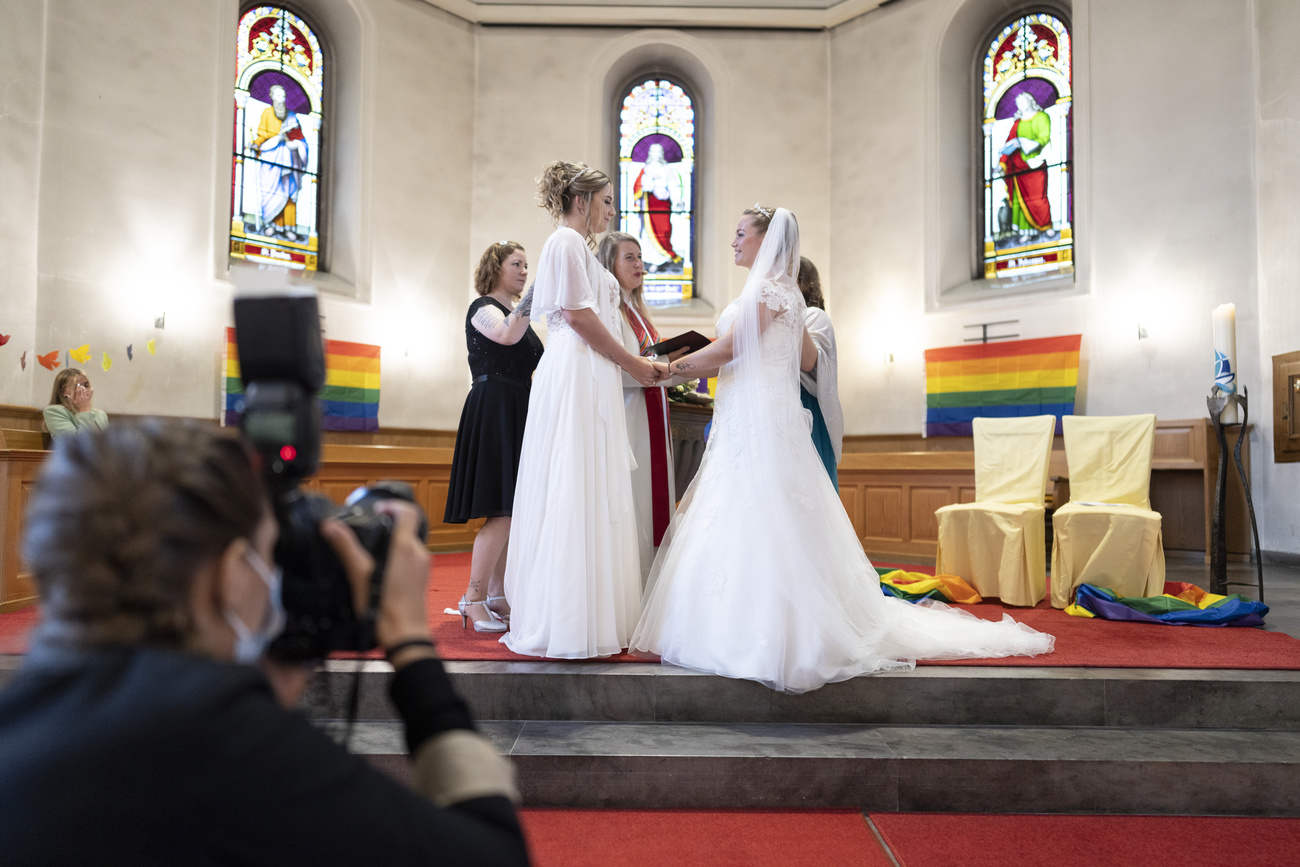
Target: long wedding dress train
(761,575)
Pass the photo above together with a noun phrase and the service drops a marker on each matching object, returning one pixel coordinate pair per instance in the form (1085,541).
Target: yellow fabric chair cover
(1107,534)
(997,544)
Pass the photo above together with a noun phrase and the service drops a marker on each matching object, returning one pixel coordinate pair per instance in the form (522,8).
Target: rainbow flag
(915,586)
(350,398)
(999,380)
(1181,604)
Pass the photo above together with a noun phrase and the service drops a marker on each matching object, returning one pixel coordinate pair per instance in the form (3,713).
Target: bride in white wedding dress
(761,575)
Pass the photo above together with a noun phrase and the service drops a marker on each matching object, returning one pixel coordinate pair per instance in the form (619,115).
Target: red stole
(657,415)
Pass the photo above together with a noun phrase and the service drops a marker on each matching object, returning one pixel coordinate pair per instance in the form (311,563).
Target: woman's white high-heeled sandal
(505,618)
(492,624)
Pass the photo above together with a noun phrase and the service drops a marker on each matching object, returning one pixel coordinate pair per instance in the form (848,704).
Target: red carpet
(1080,642)
(991,840)
(651,838)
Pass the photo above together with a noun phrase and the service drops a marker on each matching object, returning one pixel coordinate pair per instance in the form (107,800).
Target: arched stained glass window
(275,203)
(1028,152)
(656,156)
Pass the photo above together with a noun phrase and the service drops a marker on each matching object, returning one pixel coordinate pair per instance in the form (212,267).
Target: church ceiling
(797,14)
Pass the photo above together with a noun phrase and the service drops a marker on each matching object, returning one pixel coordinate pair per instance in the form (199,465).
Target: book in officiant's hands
(692,340)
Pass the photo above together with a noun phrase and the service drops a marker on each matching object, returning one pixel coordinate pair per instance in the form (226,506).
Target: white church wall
(22,47)
(1166,147)
(548,93)
(1277,22)
(136,136)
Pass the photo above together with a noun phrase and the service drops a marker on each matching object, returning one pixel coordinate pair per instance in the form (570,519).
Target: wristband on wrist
(390,652)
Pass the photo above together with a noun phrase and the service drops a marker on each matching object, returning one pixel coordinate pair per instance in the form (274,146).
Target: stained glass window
(1028,199)
(275,202)
(656,154)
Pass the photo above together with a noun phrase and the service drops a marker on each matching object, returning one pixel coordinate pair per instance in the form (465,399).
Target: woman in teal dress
(819,387)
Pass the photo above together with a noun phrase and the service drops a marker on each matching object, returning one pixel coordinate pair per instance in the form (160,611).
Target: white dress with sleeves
(573,575)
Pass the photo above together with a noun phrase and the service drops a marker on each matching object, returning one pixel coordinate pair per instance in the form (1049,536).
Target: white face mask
(250,645)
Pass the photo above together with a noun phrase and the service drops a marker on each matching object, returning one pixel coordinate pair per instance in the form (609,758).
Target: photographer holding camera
(141,729)
(138,728)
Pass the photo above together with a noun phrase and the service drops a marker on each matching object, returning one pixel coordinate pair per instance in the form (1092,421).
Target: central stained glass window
(657,186)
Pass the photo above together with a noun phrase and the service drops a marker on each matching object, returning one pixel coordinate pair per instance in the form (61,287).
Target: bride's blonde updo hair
(760,216)
(561,183)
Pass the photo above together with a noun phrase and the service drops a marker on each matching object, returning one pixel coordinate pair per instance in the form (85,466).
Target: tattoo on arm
(525,306)
(485,321)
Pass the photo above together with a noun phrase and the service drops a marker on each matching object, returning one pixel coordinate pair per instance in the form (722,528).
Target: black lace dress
(491,431)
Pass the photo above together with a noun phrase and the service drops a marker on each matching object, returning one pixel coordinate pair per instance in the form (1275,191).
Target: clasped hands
(650,373)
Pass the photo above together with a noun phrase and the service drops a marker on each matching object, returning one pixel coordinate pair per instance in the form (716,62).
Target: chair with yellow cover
(1107,534)
(997,544)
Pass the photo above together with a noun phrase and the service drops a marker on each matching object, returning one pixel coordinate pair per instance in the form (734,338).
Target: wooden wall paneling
(923,502)
(18,472)
(851,499)
(883,515)
(966,494)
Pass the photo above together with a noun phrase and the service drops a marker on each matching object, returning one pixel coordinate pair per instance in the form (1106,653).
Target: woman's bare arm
(589,327)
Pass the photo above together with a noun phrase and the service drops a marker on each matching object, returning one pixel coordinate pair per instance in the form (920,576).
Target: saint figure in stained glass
(279,80)
(1028,187)
(657,183)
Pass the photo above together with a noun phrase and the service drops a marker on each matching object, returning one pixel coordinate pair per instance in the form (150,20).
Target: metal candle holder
(1217,401)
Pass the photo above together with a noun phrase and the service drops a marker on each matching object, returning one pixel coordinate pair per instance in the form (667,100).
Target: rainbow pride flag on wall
(350,398)
(999,380)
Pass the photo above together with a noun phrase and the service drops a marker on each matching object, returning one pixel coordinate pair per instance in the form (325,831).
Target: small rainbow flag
(350,398)
(999,380)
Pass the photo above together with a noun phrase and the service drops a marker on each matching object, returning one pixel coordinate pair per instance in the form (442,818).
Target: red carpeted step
(727,838)
(997,840)
(1080,642)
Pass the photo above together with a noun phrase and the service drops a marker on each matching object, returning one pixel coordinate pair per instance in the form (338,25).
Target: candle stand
(1219,582)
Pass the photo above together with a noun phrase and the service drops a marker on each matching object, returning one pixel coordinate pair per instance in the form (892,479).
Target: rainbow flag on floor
(1181,604)
(350,398)
(999,380)
(915,586)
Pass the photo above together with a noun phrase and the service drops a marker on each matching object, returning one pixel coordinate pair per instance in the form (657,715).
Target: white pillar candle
(1225,356)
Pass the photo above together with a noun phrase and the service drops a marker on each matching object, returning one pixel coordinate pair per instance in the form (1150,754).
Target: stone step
(1063,769)
(930,695)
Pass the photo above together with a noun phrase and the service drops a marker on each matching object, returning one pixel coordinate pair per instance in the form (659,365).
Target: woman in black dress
(503,352)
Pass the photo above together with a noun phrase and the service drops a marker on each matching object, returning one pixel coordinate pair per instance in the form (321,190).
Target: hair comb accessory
(762,210)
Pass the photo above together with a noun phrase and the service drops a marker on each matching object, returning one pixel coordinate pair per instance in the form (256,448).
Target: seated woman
(70,405)
(139,726)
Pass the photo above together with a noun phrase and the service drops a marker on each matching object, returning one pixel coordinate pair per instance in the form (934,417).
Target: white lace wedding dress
(761,575)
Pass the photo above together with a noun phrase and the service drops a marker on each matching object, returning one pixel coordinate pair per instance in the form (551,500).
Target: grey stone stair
(950,738)
(1062,769)
(930,695)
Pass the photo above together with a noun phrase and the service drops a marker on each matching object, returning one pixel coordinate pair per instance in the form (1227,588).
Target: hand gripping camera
(282,364)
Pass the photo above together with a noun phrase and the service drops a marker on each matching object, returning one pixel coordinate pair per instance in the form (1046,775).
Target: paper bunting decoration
(149,345)
(107,362)
(23,360)
(67,362)
(129,356)
(49,360)
(4,338)
(81,353)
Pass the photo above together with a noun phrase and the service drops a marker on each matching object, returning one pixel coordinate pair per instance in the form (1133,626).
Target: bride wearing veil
(761,575)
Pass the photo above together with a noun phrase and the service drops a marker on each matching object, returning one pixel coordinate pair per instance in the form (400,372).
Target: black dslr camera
(282,364)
